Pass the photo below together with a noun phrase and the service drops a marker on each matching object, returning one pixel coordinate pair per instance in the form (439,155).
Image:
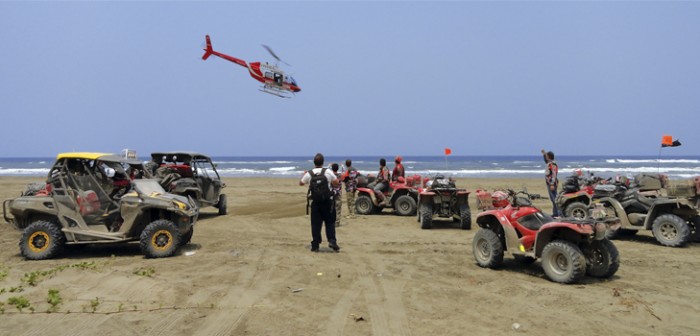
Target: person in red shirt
(398,169)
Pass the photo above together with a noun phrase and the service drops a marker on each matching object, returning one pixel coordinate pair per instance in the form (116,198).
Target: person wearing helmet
(398,169)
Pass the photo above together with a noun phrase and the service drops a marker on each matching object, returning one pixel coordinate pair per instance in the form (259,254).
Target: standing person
(337,195)
(350,180)
(381,183)
(550,176)
(398,169)
(320,181)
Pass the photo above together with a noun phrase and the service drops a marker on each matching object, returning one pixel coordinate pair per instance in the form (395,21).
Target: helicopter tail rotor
(274,55)
(208,50)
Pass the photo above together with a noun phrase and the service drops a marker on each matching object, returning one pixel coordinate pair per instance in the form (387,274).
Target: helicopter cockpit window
(292,81)
(278,78)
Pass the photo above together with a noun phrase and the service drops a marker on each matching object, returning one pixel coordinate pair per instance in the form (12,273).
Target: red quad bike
(442,198)
(402,196)
(568,249)
(577,192)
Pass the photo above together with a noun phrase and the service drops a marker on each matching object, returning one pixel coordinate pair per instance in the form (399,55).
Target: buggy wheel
(671,230)
(222,205)
(465,217)
(487,249)
(405,205)
(364,205)
(602,258)
(187,237)
(563,262)
(426,216)
(160,239)
(41,240)
(577,210)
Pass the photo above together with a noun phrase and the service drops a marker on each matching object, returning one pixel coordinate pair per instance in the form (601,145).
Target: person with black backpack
(320,181)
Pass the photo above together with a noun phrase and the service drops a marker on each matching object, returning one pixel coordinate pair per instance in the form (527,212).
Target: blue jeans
(553,198)
(378,188)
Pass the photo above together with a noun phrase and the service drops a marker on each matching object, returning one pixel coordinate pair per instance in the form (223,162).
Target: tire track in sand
(339,316)
(387,314)
(237,302)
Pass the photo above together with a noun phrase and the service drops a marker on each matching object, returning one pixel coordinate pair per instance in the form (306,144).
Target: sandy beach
(251,273)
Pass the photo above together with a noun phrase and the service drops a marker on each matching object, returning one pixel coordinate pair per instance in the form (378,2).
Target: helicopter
(275,81)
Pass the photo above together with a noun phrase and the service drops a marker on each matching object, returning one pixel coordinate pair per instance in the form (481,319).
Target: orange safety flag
(667,141)
(448,151)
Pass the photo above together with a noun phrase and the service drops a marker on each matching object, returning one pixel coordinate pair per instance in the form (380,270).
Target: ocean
(676,167)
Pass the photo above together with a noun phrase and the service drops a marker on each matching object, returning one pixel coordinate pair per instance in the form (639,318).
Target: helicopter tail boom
(210,51)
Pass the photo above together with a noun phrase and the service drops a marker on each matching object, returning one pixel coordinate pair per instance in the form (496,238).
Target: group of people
(325,194)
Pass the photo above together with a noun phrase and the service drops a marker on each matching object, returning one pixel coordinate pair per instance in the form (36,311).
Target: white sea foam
(636,170)
(652,161)
(281,169)
(253,162)
(24,171)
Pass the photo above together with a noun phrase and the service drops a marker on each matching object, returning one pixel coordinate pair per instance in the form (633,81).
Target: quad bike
(577,192)
(402,196)
(89,198)
(671,213)
(191,174)
(443,199)
(568,248)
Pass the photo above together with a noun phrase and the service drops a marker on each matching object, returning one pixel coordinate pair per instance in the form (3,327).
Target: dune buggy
(92,198)
(190,174)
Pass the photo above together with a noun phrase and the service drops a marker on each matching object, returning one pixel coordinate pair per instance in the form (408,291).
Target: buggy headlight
(180,205)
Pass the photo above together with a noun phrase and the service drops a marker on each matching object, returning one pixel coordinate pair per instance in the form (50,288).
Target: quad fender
(425,197)
(619,211)
(572,232)
(403,191)
(496,221)
(462,197)
(369,192)
(681,207)
(579,196)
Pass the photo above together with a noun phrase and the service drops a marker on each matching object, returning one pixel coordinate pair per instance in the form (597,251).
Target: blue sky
(377,78)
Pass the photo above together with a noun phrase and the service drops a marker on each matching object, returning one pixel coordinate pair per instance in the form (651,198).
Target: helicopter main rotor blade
(273,54)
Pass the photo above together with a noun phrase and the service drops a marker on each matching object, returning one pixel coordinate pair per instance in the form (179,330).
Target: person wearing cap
(398,169)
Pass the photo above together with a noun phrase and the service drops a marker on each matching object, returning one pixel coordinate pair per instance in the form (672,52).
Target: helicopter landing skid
(275,92)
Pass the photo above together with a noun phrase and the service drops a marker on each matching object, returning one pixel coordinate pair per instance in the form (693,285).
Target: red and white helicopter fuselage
(274,80)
